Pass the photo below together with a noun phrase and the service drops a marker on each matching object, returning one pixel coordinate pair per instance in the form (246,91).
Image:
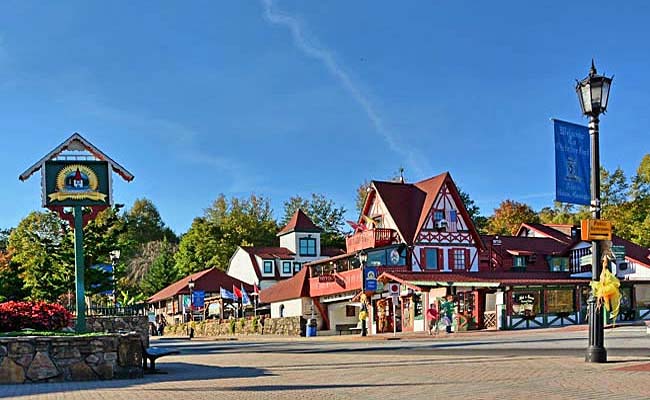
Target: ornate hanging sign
(70,183)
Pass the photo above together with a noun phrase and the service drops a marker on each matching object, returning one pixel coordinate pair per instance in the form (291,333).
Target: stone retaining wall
(70,358)
(290,326)
(119,324)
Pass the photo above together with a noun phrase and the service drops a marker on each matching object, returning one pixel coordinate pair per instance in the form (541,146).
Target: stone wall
(70,358)
(290,326)
(119,324)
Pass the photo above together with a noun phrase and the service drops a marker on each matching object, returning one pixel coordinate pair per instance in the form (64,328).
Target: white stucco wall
(292,308)
(241,267)
(336,314)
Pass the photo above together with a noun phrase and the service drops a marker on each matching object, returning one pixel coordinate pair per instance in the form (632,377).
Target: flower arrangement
(39,315)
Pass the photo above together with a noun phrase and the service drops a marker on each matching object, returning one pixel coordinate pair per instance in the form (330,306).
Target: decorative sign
(524,298)
(393,289)
(370,278)
(572,163)
(72,183)
(619,252)
(596,229)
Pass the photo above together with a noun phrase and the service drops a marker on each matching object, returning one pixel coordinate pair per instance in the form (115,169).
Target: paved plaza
(501,365)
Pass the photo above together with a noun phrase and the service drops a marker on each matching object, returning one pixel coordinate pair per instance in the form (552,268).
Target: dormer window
(268,266)
(307,247)
(286,267)
(519,263)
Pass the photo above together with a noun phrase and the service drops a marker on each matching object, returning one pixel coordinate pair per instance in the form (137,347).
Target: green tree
(11,284)
(479,221)
(509,216)
(324,213)
(641,181)
(162,271)
(4,239)
(362,194)
(42,247)
(212,239)
(613,187)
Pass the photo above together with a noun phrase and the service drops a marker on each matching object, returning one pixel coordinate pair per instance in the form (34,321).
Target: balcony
(335,282)
(370,239)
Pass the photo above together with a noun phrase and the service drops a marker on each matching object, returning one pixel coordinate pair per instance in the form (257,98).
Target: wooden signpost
(596,229)
(77,185)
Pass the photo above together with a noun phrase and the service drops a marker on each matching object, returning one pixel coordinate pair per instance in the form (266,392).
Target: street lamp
(190,285)
(593,93)
(115,258)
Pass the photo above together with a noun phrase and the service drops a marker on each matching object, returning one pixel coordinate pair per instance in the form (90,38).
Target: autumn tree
(324,213)
(509,216)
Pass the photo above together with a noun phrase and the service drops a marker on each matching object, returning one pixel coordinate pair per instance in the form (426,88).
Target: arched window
(281,310)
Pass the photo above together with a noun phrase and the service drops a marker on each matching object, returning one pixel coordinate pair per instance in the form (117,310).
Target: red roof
(555,232)
(209,280)
(633,251)
(292,288)
(281,253)
(299,222)
(331,252)
(503,278)
(410,204)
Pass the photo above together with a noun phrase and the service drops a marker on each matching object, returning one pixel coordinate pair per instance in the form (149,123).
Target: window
(350,311)
(438,215)
(559,264)
(395,255)
(519,262)
(459,259)
(281,310)
(559,300)
(286,267)
(526,303)
(431,258)
(268,267)
(307,247)
(296,267)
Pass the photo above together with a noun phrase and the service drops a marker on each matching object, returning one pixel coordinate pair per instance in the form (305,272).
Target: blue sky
(291,97)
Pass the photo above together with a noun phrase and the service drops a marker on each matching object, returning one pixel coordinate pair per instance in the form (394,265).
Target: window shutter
(441,258)
(450,258)
(467,260)
(423,258)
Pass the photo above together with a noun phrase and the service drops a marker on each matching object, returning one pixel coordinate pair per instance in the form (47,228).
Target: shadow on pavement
(175,372)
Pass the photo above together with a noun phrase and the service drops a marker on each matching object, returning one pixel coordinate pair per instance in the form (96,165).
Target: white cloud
(326,57)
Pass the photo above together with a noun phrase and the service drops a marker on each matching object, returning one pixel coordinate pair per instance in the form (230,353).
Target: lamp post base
(596,354)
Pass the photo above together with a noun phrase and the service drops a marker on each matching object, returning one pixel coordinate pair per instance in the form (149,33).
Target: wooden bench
(352,328)
(152,354)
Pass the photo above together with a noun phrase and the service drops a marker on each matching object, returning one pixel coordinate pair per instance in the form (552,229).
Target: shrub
(17,315)
(233,326)
(256,324)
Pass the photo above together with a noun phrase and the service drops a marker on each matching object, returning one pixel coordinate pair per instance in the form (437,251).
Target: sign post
(76,175)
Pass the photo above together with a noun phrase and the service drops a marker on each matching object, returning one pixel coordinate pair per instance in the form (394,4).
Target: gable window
(438,215)
(286,267)
(307,247)
(268,267)
(431,258)
(459,259)
(296,267)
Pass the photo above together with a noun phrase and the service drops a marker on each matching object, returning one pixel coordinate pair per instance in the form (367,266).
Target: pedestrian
(434,316)
(161,325)
(447,312)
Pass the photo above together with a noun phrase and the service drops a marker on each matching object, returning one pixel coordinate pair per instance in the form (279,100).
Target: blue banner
(572,163)
(198,298)
(370,278)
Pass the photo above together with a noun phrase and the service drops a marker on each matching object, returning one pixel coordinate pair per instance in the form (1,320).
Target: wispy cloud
(326,57)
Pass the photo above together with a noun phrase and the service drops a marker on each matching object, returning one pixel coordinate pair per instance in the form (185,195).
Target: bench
(152,354)
(352,328)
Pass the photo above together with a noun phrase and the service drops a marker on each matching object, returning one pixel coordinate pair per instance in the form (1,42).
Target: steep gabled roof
(549,231)
(409,204)
(76,142)
(299,222)
(288,289)
(209,280)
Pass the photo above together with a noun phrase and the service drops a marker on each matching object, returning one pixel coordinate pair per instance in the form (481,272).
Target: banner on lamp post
(572,163)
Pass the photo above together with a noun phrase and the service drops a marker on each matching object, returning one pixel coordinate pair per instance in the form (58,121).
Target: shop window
(559,300)
(350,311)
(268,267)
(307,247)
(642,295)
(526,303)
(286,267)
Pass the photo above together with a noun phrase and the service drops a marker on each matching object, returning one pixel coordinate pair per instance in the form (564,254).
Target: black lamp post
(593,93)
(190,285)
(363,258)
(115,258)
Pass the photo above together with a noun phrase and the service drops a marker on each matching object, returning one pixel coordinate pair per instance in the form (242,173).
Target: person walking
(434,316)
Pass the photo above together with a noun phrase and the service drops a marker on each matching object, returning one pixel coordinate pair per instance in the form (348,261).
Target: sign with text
(596,229)
(572,163)
(370,278)
(619,252)
(198,298)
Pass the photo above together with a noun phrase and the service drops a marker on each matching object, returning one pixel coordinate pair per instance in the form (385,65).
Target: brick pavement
(284,374)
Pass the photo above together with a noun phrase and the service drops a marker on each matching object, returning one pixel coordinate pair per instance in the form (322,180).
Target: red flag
(256,290)
(236,291)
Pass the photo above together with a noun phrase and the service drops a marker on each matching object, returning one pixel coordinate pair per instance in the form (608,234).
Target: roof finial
(401,174)
(592,71)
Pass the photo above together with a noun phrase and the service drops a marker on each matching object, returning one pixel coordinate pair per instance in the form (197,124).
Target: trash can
(312,324)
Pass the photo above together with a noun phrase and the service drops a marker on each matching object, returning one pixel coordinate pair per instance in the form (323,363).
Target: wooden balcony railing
(370,239)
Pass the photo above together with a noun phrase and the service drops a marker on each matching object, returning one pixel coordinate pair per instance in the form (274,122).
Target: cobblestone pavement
(349,368)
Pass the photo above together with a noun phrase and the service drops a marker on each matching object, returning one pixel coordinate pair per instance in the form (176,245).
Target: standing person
(161,325)
(434,316)
(447,306)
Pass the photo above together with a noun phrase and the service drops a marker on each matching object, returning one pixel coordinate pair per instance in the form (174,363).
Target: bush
(17,315)
(233,326)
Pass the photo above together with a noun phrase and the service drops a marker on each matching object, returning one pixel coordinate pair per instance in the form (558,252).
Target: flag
(256,290)
(226,294)
(572,163)
(244,296)
(236,292)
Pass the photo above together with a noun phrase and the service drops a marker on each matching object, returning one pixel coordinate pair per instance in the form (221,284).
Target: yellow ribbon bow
(606,291)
